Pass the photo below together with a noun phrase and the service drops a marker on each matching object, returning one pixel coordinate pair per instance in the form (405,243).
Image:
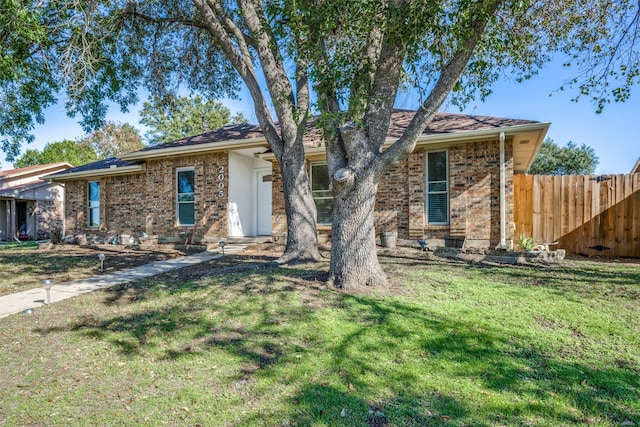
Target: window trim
(178,202)
(311,165)
(427,193)
(93,205)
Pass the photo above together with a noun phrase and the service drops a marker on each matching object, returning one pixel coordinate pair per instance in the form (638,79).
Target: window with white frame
(93,204)
(437,186)
(185,197)
(319,174)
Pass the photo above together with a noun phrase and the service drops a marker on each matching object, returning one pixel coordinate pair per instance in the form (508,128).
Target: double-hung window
(185,198)
(321,192)
(437,186)
(93,204)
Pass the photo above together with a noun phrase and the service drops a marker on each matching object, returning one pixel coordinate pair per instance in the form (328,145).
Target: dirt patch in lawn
(25,269)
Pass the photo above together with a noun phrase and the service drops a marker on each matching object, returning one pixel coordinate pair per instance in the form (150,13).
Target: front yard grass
(23,266)
(448,344)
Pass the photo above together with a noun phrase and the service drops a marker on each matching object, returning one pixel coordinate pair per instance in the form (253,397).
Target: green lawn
(448,344)
(23,266)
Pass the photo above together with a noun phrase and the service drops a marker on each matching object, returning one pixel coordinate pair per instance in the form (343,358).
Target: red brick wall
(48,218)
(120,206)
(474,192)
(278,214)
(76,206)
(146,202)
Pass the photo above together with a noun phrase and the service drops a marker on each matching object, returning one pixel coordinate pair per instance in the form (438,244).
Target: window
(437,185)
(185,199)
(321,193)
(94,204)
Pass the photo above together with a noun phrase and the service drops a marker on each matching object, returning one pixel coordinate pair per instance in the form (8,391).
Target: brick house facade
(31,208)
(139,191)
(474,186)
(143,202)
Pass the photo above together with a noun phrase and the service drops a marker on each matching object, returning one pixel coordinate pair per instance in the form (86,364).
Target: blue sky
(613,134)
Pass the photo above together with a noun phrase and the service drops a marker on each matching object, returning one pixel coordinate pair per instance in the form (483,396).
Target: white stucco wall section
(4,227)
(241,206)
(244,195)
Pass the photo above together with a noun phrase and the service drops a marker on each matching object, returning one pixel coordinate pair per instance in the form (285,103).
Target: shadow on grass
(582,278)
(43,264)
(575,278)
(360,360)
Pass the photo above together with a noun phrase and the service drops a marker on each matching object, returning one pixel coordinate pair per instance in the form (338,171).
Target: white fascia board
(14,193)
(97,173)
(541,136)
(194,149)
(466,136)
(479,134)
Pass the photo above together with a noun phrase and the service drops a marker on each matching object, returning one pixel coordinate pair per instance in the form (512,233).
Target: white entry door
(263,204)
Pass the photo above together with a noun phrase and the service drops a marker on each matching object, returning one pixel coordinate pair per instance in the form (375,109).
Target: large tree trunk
(302,238)
(354,262)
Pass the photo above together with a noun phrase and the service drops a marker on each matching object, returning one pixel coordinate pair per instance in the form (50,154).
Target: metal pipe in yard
(503,231)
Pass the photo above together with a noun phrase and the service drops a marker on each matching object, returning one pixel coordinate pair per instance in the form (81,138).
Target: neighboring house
(30,207)
(226,183)
(636,168)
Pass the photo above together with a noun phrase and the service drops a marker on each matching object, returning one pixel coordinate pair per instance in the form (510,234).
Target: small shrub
(526,243)
(56,236)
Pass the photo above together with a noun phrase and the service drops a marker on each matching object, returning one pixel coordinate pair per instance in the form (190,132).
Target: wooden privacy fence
(590,215)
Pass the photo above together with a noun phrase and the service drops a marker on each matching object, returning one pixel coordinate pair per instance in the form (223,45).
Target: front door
(21,218)
(264,202)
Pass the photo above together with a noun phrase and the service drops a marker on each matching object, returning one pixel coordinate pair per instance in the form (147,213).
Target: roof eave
(111,171)
(463,136)
(481,134)
(541,137)
(195,149)
(36,170)
(12,193)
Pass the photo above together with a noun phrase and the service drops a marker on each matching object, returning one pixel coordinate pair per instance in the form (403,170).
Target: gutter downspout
(503,209)
(64,209)
(13,220)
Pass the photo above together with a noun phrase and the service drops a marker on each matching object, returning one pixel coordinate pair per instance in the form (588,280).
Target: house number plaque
(221,181)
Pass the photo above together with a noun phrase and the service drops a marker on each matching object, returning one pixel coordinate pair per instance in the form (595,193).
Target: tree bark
(286,144)
(302,240)
(354,261)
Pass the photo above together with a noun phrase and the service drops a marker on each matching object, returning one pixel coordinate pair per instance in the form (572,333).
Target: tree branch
(241,61)
(328,101)
(386,81)
(272,64)
(131,11)
(449,76)
(303,97)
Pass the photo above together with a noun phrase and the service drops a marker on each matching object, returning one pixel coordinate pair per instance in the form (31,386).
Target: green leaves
(113,139)
(568,160)
(59,151)
(91,53)
(173,118)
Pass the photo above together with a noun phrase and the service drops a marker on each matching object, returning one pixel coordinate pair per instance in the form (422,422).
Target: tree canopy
(91,52)
(353,57)
(59,151)
(172,118)
(113,139)
(110,140)
(568,160)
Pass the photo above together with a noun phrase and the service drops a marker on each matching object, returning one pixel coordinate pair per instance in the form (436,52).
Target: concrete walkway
(34,298)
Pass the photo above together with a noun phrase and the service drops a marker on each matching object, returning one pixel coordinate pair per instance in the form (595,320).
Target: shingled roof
(443,123)
(243,135)
(111,164)
(33,170)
